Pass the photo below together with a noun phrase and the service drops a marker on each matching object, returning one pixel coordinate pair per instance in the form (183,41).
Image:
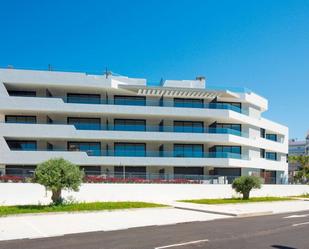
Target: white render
(29,193)
(59,133)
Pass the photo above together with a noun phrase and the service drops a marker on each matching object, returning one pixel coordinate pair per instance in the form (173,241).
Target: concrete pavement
(47,225)
(245,209)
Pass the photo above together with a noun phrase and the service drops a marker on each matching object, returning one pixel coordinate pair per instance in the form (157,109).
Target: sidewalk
(57,224)
(47,225)
(245,209)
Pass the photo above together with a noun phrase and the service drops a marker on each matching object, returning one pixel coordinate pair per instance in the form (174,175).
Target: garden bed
(75,207)
(238,200)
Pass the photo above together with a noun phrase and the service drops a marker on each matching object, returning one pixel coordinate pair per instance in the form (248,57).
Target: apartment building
(297,148)
(111,125)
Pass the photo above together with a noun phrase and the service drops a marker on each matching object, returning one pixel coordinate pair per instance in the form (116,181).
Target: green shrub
(245,184)
(58,174)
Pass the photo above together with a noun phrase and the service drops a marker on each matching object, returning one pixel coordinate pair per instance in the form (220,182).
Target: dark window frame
(83,118)
(21,116)
(235,104)
(262,153)
(188,103)
(214,149)
(9,142)
(268,157)
(86,96)
(188,126)
(140,100)
(215,125)
(262,132)
(21,93)
(128,144)
(185,145)
(131,120)
(83,142)
(269,135)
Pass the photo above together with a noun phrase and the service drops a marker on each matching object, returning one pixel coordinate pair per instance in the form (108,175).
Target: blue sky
(261,45)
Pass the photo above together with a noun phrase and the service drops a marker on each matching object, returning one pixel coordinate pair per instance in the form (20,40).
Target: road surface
(282,231)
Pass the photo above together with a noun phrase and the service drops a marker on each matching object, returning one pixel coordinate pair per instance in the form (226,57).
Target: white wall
(28,193)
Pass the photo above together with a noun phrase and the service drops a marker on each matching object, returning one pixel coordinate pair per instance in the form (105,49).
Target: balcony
(163,103)
(144,128)
(143,102)
(147,153)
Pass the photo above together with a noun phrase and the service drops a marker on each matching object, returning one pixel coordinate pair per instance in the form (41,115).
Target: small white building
(115,125)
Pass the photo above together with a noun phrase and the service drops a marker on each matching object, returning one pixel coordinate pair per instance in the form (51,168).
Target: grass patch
(238,200)
(75,207)
(303,196)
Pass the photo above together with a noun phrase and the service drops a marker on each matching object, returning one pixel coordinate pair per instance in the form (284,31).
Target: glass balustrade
(148,128)
(143,102)
(147,153)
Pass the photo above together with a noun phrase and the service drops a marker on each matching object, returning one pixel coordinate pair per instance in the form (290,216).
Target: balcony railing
(20,174)
(149,153)
(148,128)
(159,103)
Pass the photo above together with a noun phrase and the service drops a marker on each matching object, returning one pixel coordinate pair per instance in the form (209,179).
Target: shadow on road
(282,247)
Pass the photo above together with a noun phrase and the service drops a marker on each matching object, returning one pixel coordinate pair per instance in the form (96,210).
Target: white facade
(114,124)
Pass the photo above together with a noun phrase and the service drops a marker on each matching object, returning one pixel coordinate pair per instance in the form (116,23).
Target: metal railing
(92,176)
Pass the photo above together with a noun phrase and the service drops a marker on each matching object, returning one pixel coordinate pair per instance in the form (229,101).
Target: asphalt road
(273,231)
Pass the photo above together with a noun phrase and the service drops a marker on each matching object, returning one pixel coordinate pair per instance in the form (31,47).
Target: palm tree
(302,174)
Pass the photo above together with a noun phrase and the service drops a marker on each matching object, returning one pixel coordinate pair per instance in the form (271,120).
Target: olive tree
(244,184)
(58,174)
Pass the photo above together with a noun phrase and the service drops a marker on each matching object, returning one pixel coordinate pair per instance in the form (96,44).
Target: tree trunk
(56,196)
(245,195)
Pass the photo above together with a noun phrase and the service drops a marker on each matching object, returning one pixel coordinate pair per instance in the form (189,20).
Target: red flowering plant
(11,178)
(104,179)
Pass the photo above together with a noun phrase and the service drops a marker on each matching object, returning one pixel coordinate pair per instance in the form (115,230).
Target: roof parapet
(199,83)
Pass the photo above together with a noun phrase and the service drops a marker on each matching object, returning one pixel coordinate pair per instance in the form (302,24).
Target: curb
(241,215)
(207,211)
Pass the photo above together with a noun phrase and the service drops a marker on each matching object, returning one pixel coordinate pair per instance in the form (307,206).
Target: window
(235,106)
(22,93)
(20,119)
(223,151)
(83,98)
(91,170)
(130,171)
(22,145)
(130,149)
(271,156)
(190,103)
(130,124)
(262,153)
(188,126)
(272,137)
(20,170)
(188,172)
(85,123)
(129,100)
(225,128)
(92,148)
(262,132)
(188,150)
